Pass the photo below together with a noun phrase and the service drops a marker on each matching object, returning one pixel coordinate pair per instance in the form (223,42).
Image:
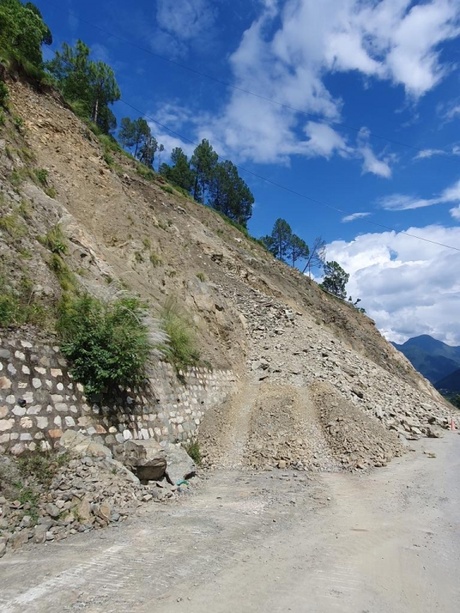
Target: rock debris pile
(81,489)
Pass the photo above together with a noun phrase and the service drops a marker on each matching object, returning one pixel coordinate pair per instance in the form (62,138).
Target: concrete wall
(39,401)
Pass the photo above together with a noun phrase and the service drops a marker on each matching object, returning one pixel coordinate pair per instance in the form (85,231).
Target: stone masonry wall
(39,401)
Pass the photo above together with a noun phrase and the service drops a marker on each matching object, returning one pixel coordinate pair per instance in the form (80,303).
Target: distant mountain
(450,384)
(433,358)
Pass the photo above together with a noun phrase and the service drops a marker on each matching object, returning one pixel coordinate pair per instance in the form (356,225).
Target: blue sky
(353,104)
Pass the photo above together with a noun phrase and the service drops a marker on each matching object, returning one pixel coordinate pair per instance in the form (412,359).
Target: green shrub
(194,452)
(155,259)
(181,349)
(42,176)
(55,240)
(63,273)
(201,276)
(106,343)
(4,94)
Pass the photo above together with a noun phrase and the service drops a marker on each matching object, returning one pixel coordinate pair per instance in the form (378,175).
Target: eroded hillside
(273,326)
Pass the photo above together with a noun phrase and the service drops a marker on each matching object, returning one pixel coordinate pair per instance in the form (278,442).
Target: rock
(2,547)
(40,534)
(179,464)
(104,511)
(52,510)
(145,458)
(19,539)
(79,445)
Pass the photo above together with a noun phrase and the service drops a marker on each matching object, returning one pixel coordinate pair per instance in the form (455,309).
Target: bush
(181,349)
(107,344)
(194,452)
(3,94)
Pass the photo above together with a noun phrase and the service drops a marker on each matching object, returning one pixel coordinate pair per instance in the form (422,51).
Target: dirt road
(385,542)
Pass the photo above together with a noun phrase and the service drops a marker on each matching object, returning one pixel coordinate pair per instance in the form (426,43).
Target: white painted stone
(39,436)
(36,383)
(60,387)
(61,406)
(56,372)
(26,423)
(73,409)
(40,370)
(4,438)
(127,435)
(26,345)
(11,369)
(10,399)
(4,411)
(80,388)
(28,397)
(42,423)
(25,436)
(57,421)
(34,410)
(32,446)
(25,369)
(57,397)
(91,431)
(69,421)
(19,411)
(19,355)
(6,424)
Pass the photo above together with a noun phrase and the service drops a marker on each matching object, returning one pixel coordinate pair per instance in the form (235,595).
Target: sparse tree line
(290,248)
(91,87)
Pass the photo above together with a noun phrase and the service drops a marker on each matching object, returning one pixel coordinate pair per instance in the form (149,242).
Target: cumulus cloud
(287,51)
(429,153)
(408,286)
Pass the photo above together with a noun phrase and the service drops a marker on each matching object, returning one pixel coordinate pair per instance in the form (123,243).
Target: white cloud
(182,23)
(354,216)
(402,202)
(429,153)
(455,212)
(407,286)
(288,50)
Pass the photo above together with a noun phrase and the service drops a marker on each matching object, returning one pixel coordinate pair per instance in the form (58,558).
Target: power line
(229,85)
(290,190)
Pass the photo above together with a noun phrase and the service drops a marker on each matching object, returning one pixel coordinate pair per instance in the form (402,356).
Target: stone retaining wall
(39,401)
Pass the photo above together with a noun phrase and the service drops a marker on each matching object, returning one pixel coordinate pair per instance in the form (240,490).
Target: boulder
(180,464)
(80,445)
(144,458)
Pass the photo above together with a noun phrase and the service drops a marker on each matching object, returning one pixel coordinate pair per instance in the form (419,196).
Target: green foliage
(42,176)
(155,259)
(203,163)
(2,118)
(145,173)
(167,188)
(18,123)
(13,225)
(4,94)
(22,33)
(55,240)
(181,349)
(63,273)
(201,276)
(41,465)
(19,306)
(229,194)
(106,343)
(194,452)
(279,240)
(90,86)
(179,173)
(335,279)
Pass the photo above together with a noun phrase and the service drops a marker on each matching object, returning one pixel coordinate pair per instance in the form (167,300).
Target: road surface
(382,542)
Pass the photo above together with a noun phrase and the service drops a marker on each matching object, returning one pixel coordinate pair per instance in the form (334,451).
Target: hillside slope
(253,314)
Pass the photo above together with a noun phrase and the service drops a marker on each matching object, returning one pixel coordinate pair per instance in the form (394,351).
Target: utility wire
(229,85)
(290,190)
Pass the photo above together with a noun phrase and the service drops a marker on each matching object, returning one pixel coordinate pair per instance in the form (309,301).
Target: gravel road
(382,542)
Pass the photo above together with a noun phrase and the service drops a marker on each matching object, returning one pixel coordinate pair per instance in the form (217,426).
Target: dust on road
(383,542)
